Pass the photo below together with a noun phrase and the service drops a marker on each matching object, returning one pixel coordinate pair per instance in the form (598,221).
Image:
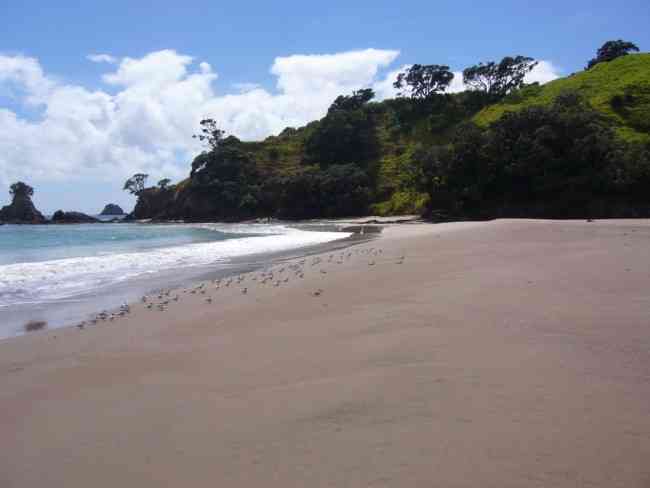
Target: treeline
(562,160)
(557,160)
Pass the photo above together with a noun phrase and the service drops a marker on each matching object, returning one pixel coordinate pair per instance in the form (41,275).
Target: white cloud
(544,72)
(384,88)
(145,123)
(102,58)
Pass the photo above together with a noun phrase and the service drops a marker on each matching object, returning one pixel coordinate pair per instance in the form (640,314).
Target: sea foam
(35,282)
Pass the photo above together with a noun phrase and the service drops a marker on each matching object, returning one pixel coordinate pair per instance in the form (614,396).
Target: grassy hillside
(619,89)
(397,134)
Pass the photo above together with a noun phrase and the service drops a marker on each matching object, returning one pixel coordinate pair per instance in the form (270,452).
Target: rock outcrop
(154,203)
(21,211)
(61,217)
(112,209)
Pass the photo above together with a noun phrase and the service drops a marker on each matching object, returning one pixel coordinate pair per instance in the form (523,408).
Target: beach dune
(495,354)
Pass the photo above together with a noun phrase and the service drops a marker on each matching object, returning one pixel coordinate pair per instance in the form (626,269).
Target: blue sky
(75,128)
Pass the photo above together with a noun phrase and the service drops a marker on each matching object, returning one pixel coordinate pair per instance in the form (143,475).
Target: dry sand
(499,354)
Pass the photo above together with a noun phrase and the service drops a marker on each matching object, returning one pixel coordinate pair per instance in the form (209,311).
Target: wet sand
(497,354)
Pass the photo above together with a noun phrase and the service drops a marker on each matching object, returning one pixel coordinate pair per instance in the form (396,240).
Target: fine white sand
(501,354)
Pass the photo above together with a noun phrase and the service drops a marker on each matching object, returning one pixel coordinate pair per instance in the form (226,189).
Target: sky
(93,92)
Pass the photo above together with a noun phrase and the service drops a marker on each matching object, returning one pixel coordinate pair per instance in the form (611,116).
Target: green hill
(620,89)
(451,152)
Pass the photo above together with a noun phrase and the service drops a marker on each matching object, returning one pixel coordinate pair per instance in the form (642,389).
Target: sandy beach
(511,353)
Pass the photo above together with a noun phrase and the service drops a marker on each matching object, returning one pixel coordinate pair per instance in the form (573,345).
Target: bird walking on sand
(317,293)
(208,300)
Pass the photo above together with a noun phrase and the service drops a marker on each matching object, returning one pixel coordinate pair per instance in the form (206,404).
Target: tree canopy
(499,79)
(612,50)
(135,184)
(352,102)
(164,183)
(210,134)
(20,189)
(346,135)
(424,81)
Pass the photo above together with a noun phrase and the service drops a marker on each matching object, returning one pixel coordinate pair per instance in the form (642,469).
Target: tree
(20,189)
(612,50)
(499,79)
(210,134)
(424,81)
(353,102)
(164,183)
(135,184)
(347,134)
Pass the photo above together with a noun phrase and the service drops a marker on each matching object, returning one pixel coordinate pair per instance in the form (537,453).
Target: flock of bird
(275,276)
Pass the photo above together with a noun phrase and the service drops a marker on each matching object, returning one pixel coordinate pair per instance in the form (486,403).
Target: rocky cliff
(61,217)
(21,211)
(112,209)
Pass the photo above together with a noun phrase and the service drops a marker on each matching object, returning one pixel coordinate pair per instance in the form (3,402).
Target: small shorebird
(244,291)
(208,300)
(317,293)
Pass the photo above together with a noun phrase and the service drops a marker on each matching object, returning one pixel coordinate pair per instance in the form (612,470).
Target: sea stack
(112,209)
(61,217)
(22,209)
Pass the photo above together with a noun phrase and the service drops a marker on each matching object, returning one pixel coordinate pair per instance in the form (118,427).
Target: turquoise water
(33,243)
(58,273)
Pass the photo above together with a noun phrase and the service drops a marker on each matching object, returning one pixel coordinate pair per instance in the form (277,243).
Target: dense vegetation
(578,146)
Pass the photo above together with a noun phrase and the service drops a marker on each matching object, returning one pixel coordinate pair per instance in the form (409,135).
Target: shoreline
(82,309)
(503,353)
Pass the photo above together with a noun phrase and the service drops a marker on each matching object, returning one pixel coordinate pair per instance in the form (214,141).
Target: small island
(61,217)
(112,209)
(22,209)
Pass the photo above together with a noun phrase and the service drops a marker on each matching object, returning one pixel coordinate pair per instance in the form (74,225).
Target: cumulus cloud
(544,72)
(102,58)
(146,121)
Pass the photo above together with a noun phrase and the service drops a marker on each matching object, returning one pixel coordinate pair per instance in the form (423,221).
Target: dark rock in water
(112,209)
(21,211)
(61,217)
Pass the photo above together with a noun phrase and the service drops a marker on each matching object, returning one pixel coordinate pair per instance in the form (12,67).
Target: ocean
(63,273)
